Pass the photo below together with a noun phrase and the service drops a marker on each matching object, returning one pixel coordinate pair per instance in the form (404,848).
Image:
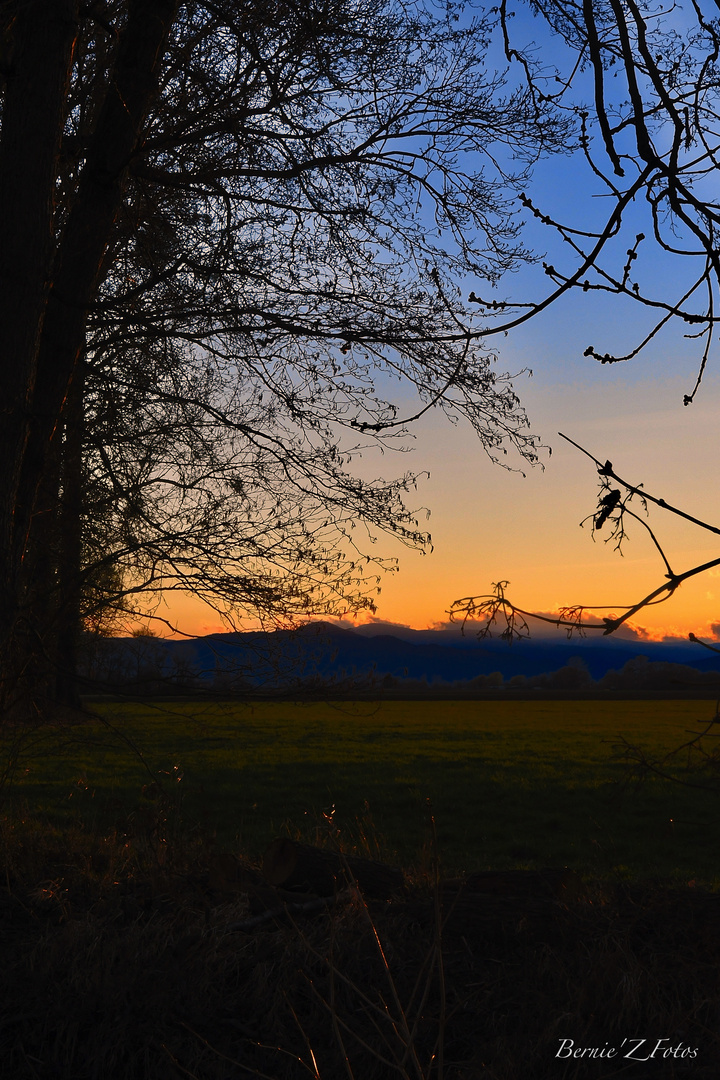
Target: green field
(511,784)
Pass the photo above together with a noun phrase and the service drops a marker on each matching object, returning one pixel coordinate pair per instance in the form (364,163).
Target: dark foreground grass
(512,784)
(119,957)
(119,965)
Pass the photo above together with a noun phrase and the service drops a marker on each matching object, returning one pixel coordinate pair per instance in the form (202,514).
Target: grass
(119,957)
(512,784)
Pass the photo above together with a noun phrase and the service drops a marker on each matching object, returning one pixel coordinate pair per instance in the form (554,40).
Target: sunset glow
(489,524)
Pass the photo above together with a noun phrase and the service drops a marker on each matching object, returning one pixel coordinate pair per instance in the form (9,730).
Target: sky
(490,524)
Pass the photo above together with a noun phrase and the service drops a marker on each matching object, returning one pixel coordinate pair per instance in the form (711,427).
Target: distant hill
(323,656)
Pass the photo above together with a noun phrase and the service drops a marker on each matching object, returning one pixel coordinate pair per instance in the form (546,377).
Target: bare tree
(616,506)
(650,135)
(226,229)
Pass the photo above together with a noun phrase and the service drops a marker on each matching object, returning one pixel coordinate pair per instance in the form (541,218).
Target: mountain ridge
(324,654)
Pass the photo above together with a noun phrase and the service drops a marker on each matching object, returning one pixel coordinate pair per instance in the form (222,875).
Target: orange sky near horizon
(488,524)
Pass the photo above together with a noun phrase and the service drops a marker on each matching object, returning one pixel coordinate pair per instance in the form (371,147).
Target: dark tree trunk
(35,635)
(68,627)
(45,295)
(43,36)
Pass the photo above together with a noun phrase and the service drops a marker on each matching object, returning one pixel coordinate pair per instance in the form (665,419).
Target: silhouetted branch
(656,115)
(613,507)
(698,757)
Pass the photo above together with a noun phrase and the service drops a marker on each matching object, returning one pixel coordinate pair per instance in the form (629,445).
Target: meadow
(510,783)
(126,955)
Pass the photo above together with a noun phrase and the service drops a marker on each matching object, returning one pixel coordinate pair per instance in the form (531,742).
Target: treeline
(148,666)
(637,676)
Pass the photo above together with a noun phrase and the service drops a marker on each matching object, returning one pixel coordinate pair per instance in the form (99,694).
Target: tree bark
(43,314)
(131,88)
(34,109)
(67,628)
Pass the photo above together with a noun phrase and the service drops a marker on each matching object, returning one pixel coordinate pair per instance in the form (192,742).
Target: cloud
(367,624)
(631,632)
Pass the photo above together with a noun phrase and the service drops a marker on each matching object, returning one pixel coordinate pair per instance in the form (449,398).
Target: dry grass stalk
(119,966)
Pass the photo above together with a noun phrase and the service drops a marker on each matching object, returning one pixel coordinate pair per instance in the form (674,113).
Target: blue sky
(490,524)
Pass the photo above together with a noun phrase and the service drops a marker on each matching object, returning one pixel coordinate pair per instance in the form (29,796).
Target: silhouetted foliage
(248,220)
